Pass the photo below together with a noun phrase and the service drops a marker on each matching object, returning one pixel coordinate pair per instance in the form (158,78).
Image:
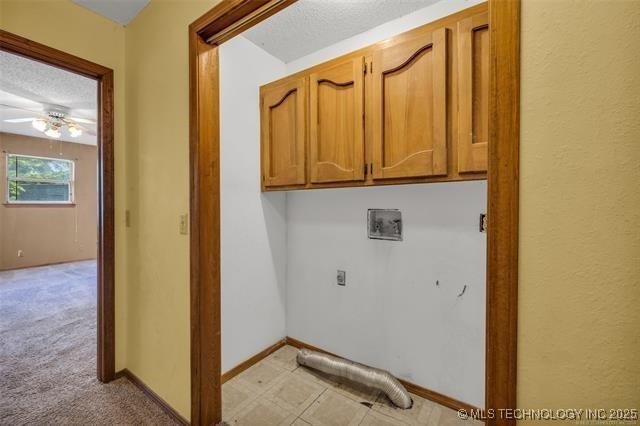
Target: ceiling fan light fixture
(53,132)
(74,131)
(39,124)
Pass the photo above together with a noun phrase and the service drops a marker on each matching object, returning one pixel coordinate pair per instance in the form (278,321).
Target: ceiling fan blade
(82,120)
(20,120)
(40,113)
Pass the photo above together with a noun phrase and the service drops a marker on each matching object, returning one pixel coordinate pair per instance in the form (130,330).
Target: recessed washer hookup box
(384,224)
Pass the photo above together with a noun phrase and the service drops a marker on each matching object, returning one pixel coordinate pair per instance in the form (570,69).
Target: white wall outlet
(341,278)
(184,224)
(20,253)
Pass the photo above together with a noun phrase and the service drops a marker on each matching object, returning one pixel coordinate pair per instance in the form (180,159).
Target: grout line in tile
(309,406)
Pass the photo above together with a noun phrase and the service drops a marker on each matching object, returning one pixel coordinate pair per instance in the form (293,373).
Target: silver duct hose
(369,376)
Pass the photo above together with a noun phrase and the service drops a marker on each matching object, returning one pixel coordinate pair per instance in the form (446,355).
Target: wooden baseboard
(425,393)
(41,265)
(152,395)
(251,361)
(439,398)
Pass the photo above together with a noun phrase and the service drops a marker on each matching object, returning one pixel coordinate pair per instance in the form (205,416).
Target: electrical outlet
(341,278)
(184,224)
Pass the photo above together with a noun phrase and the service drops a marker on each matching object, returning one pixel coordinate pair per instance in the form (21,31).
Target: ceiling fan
(52,120)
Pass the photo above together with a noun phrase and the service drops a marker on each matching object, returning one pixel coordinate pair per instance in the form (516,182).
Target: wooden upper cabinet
(283,132)
(409,108)
(413,108)
(473,93)
(336,133)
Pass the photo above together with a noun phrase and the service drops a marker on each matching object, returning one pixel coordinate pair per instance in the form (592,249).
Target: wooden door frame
(229,18)
(106,244)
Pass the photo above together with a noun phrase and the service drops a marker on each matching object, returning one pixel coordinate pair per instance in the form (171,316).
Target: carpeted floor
(48,353)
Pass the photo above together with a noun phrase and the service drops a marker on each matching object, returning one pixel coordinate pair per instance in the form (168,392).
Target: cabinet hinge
(371,67)
(365,169)
(371,168)
(364,67)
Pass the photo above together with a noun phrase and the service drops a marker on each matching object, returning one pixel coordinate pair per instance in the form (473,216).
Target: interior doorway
(231,18)
(54,122)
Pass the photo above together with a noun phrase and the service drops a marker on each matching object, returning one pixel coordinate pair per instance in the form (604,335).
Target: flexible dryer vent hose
(369,376)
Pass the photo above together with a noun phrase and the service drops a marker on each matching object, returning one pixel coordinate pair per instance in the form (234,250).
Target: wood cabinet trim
(472,155)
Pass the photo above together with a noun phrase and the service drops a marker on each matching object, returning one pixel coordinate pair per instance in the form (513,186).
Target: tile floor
(276,391)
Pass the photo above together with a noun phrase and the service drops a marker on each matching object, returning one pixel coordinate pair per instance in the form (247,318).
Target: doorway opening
(48,172)
(229,19)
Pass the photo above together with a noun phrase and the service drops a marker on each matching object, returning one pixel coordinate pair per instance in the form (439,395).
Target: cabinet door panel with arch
(409,108)
(336,122)
(283,132)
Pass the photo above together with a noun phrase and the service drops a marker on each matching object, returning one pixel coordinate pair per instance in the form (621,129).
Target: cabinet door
(409,111)
(336,132)
(283,133)
(473,93)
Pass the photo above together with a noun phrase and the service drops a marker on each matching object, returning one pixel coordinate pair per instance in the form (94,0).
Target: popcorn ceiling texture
(579,322)
(43,83)
(29,84)
(309,21)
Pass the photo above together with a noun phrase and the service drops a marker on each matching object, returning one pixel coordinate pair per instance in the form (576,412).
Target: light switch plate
(184,224)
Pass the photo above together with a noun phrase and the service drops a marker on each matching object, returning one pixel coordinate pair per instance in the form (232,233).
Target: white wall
(253,228)
(391,315)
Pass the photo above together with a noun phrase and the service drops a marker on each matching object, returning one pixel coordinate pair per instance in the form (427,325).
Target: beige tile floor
(276,391)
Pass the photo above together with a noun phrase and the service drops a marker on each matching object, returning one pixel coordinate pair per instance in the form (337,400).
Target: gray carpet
(48,353)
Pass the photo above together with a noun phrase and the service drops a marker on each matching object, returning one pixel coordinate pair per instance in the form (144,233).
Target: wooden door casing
(283,128)
(409,108)
(473,93)
(336,122)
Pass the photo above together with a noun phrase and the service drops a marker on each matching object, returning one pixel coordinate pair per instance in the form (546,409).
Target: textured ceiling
(119,11)
(309,25)
(27,86)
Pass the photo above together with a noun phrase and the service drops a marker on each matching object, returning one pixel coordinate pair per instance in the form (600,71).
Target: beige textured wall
(50,234)
(64,25)
(579,295)
(158,185)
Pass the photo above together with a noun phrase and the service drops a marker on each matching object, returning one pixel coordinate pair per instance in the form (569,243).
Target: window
(39,180)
